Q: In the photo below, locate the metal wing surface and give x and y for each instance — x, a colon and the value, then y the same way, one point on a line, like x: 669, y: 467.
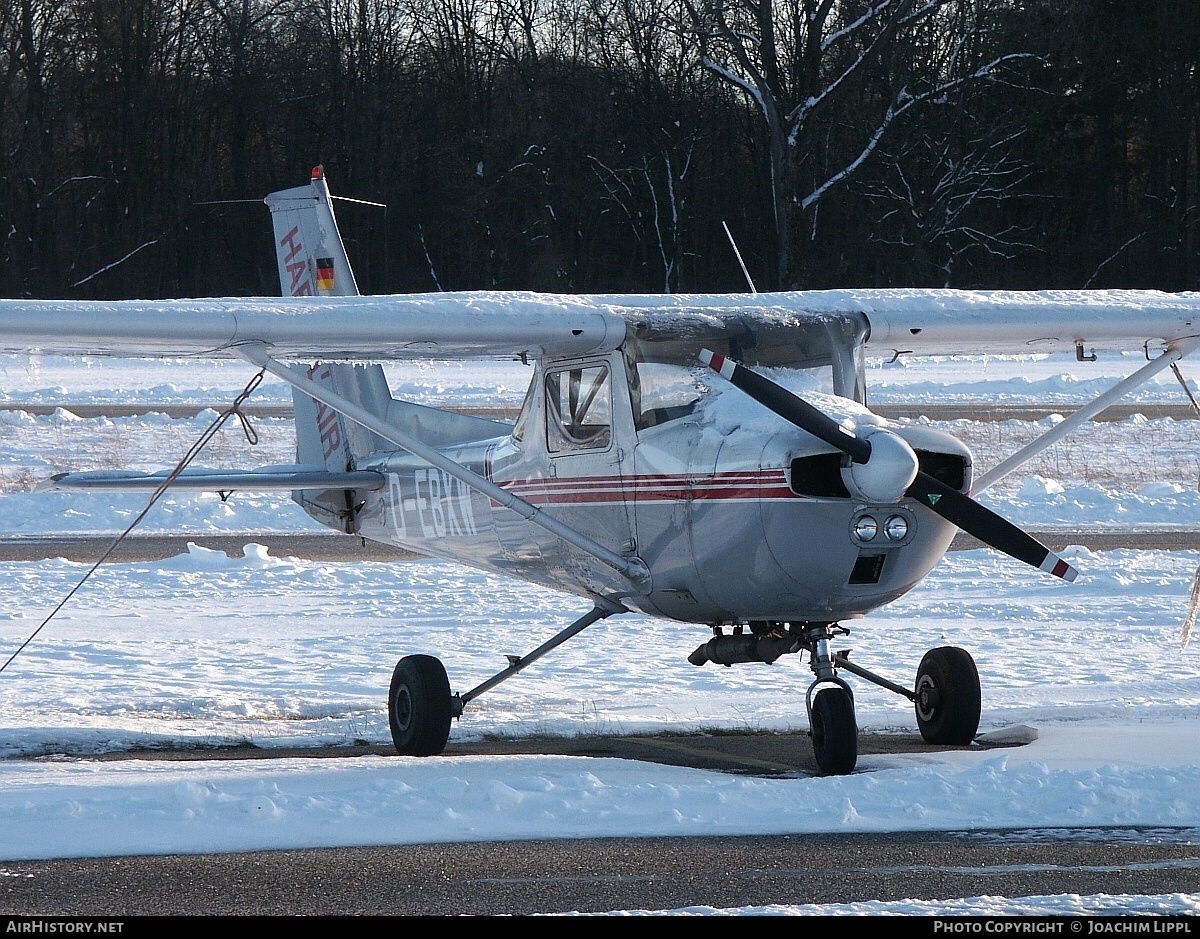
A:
x: 758, y: 329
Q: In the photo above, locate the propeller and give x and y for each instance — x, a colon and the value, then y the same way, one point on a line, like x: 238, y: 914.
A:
x: 883, y: 467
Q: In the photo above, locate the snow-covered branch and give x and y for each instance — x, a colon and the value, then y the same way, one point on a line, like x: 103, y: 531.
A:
x: 117, y: 263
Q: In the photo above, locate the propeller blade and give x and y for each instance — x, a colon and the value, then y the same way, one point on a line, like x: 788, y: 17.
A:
x: 990, y: 528
x: 956, y: 508
x: 788, y: 406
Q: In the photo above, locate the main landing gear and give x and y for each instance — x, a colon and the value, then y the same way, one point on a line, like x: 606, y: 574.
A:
x: 946, y: 693
x: 421, y: 706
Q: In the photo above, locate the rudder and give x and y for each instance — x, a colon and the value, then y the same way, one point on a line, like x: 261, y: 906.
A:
x: 327, y: 439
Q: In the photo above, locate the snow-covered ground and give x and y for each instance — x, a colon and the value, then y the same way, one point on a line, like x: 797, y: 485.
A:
x: 205, y: 649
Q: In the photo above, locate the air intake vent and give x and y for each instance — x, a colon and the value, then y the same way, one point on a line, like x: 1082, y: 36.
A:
x: 867, y: 569
x: 946, y: 468
x: 819, y: 476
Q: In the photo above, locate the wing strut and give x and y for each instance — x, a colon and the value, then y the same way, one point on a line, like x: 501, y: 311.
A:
x: 632, y: 569
x: 1174, y: 352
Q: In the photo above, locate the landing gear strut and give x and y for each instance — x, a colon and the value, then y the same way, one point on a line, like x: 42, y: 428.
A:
x: 421, y: 706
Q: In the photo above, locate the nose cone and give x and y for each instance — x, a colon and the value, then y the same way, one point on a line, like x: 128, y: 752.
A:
x: 889, y: 470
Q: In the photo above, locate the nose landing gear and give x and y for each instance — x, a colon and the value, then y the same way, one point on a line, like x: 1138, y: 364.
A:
x: 830, y: 704
x: 946, y: 696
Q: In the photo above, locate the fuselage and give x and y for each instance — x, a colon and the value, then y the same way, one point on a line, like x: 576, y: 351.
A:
x: 738, y: 515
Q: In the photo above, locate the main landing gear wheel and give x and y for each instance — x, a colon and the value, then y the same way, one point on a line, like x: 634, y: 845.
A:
x: 834, y: 731
x: 419, y: 706
x: 948, y: 698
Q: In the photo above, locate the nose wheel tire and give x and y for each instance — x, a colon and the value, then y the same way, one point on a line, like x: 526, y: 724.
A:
x: 948, y: 699
x: 834, y: 732
x: 419, y: 706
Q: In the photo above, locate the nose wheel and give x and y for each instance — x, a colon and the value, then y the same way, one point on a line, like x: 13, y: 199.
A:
x: 834, y: 731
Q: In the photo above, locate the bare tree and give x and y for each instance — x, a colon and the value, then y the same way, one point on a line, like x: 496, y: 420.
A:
x: 799, y: 61
x: 34, y: 55
x: 944, y: 199
x: 651, y: 66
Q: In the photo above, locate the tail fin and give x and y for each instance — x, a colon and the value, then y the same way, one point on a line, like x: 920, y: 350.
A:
x: 308, y: 245
x: 313, y: 263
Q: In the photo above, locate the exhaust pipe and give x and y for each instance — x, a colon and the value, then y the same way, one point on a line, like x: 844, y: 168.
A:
x: 731, y: 650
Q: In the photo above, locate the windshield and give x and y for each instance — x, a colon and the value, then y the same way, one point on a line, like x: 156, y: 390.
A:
x: 827, y: 344
x: 661, y: 392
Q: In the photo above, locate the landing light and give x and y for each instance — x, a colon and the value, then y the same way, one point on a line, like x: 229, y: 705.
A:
x: 896, y: 528
x: 865, y: 528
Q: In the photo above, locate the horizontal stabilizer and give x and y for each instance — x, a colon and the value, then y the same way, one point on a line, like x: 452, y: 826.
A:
x: 268, y: 479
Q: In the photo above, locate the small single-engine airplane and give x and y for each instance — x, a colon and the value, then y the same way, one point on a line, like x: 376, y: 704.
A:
x: 771, y: 508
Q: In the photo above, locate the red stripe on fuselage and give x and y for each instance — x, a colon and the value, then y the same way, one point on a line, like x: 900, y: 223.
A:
x: 652, y: 488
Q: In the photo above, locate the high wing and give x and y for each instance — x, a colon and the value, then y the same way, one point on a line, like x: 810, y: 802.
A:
x: 366, y: 328
x: 929, y: 322
x: 757, y: 329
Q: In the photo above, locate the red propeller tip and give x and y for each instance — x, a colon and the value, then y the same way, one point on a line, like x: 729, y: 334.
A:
x: 718, y: 363
x: 1059, y: 568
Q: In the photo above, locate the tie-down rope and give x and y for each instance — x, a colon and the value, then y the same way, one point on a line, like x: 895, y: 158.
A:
x: 193, y: 451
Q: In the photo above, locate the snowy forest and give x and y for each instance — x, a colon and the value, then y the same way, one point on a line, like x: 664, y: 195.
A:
x: 603, y: 145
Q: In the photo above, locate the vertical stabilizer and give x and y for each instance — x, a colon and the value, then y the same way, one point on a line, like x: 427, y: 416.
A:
x: 308, y: 245
x: 313, y: 263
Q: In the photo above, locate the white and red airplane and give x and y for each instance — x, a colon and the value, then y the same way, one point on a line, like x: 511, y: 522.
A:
x: 632, y: 477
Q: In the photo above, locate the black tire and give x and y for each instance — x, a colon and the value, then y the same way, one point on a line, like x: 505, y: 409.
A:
x: 419, y: 709
x: 948, y: 697
x: 834, y: 732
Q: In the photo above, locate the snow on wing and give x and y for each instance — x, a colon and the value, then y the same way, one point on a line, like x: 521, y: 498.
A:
x: 500, y: 324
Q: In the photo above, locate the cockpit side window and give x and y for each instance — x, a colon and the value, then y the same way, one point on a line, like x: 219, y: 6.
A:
x: 518, y: 432
x: 578, y: 408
